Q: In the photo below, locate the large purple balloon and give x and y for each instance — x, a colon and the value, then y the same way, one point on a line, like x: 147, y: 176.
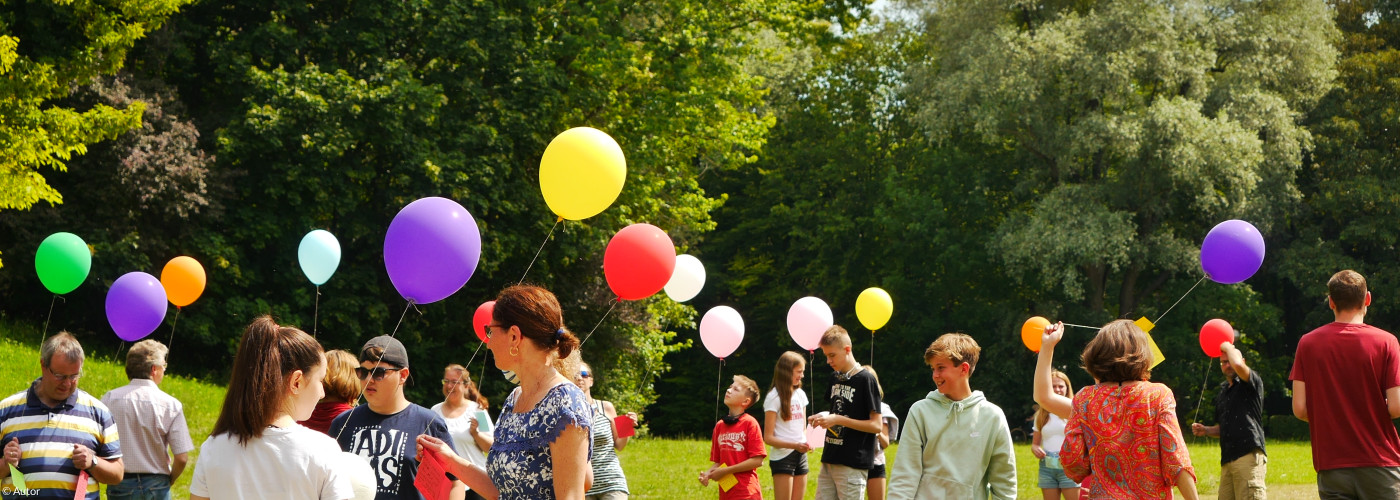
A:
x: 135, y: 305
x: 1232, y: 252
x: 431, y: 249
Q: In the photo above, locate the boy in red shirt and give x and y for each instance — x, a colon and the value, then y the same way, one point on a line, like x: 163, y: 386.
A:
x: 737, y: 444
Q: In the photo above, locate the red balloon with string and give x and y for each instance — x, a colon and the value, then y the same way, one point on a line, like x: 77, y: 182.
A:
x: 482, y: 317
x: 1215, y: 332
x: 639, y: 261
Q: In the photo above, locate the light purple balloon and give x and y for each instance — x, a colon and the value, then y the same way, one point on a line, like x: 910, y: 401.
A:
x: 431, y: 249
x: 135, y: 305
x: 1232, y: 252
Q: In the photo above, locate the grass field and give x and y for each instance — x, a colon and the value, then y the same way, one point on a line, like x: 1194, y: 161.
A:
x: 655, y: 468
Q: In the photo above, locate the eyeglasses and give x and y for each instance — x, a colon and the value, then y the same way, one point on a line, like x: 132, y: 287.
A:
x: 66, y: 378
x: 489, y: 327
x: 585, y: 374
x: 451, y: 382
x: 378, y: 372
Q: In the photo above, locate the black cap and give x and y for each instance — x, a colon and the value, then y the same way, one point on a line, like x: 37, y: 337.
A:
x: 394, y: 353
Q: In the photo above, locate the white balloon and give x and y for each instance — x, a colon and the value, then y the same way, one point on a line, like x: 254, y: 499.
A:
x: 687, y: 280
x: 721, y: 330
x: 807, y: 320
x: 362, y: 478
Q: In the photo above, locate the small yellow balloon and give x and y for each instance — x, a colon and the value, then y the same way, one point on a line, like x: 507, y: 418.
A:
x: 874, y: 307
x: 581, y: 173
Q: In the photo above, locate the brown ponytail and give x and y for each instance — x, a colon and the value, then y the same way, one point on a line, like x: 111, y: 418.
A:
x: 267, y: 356
x: 535, y: 311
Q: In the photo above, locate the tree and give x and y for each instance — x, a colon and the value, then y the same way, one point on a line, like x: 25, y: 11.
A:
x: 46, y: 49
x: 1139, y: 125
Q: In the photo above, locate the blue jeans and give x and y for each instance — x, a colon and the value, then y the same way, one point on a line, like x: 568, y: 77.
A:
x: 141, y: 487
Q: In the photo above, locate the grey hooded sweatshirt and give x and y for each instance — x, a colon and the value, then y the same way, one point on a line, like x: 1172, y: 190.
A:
x: 954, y: 449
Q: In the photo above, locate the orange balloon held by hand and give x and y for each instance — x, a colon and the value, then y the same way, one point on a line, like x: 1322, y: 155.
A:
x: 1032, y: 331
x: 183, y: 279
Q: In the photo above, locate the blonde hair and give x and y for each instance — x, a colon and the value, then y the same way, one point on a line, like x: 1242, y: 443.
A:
x: 835, y: 337
x: 1042, y: 416
x: 957, y: 347
x: 341, y: 383
x: 749, y: 387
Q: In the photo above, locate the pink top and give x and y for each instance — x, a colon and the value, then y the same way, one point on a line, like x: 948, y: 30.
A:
x: 1128, y: 438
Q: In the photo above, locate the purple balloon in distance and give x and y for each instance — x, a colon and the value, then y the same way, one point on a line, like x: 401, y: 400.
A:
x: 135, y: 305
x: 1232, y: 252
x: 431, y: 249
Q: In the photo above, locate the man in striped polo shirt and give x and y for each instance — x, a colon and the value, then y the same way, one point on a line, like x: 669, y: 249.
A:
x: 55, y: 434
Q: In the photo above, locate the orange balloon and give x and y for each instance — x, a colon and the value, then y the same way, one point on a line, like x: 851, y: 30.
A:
x: 1032, y: 331
x: 183, y: 279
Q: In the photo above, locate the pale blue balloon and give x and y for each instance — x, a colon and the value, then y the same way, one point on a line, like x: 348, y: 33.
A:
x: 319, y: 256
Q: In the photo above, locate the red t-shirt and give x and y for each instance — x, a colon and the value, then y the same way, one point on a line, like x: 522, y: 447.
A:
x: 1347, y: 368
x: 324, y: 413
x: 736, y: 443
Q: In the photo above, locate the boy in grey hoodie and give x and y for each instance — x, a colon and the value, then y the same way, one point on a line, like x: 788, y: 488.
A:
x: 955, y: 443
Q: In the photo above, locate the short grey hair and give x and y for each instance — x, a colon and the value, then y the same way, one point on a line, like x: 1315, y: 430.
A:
x: 143, y: 356
x: 62, y: 343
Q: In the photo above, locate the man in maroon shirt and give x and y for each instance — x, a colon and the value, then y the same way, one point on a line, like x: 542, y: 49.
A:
x: 1346, y: 385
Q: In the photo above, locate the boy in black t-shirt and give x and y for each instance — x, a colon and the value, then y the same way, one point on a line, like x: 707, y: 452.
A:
x: 852, y: 424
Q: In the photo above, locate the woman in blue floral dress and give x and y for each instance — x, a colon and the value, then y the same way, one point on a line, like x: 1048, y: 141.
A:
x: 543, y: 435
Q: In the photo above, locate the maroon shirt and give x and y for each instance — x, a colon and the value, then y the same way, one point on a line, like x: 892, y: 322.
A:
x: 1347, y: 368
x: 324, y: 413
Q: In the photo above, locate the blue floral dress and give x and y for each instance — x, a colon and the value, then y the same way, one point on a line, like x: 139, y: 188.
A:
x: 520, y: 464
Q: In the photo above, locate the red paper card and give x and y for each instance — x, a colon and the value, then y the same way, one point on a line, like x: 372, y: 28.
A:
x: 432, y: 479
x: 80, y: 492
x: 625, y: 426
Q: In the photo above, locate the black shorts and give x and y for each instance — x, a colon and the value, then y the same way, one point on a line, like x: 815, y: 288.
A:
x: 795, y: 464
x: 877, y: 471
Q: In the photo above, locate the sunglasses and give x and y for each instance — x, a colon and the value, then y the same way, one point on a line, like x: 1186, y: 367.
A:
x: 377, y: 373
x: 585, y: 374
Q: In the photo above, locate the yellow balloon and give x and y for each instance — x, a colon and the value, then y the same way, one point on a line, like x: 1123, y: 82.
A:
x: 581, y: 173
x: 874, y: 307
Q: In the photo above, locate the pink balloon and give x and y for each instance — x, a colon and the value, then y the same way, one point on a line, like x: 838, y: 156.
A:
x: 807, y: 320
x: 722, y: 329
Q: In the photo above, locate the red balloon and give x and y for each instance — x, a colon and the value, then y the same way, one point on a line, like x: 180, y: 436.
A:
x: 639, y: 261
x: 482, y: 317
x: 1213, y: 333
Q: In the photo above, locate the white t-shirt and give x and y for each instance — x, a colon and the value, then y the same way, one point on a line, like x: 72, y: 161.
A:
x: 887, y: 417
x: 1052, y: 434
x: 460, y: 428
x: 794, y: 429
x: 292, y: 463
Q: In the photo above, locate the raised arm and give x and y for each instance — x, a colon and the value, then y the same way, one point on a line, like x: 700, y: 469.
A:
x: 1236, y: 360
x: 1044, y: 395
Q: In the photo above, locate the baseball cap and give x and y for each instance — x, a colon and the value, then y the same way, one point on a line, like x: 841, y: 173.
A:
x: 394, y: 352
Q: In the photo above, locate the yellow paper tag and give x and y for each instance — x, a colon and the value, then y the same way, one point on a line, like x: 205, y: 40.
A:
x: 1146, y: 326
x: 726, y: 482
x: 17, y: 479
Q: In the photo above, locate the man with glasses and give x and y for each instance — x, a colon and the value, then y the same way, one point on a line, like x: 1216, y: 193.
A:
x: 149, y: 422
x: 384, y: 431
x: 56, y: 435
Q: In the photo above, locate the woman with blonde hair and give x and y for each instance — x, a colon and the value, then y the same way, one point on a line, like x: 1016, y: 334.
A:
x: 1046, y: 442
x: 342, y: 389
x: 1123, y: 429
x: 256, y: 443
x: 462, y: 410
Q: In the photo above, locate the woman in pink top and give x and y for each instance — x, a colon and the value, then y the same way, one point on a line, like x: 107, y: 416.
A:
x: 1123, y: 429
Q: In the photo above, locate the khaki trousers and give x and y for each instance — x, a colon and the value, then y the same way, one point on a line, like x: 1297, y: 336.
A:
x: 1243, y: 479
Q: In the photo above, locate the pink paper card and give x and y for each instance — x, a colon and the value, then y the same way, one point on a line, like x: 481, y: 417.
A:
x: 80, y: 491
x: 432, y: 479
x: 816, y: 437
x: 625, y: 426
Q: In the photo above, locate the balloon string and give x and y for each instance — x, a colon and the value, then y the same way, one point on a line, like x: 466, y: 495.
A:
x: 1200, y: 399
x: 1082, y: 326
x: 172, y: 327
x: 482, y: 379
x: 376, y: 365
x: 600, y: 322
x: 537, y: 252
x: 1178, y: 301
x: 720, y: 396
x: 45, y: 335
x: 473, y: 358
x: 811, y: 381
x: 119, y: 350
x: 316, y: 312
x: 872, y: 348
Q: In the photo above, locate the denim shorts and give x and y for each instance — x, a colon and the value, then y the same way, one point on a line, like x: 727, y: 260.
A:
x: 1054, y: 477
x: 795, y: 464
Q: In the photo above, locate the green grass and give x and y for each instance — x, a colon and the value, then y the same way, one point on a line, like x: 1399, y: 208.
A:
x: 101, y: 374
x: 656, y: 468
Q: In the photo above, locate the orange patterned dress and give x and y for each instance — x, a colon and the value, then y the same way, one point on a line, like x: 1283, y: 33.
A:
x: 1128, y: 438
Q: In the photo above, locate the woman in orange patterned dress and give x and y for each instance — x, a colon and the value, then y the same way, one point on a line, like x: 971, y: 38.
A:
x: 1123, y: 429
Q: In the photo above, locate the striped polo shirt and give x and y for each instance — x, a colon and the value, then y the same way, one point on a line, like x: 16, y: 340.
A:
x: 46, y: 438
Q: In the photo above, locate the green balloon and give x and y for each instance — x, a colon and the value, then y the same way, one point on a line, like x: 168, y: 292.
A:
x: 63, y: 262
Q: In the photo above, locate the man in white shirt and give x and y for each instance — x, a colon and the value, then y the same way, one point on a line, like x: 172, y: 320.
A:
x: 149, y: 422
